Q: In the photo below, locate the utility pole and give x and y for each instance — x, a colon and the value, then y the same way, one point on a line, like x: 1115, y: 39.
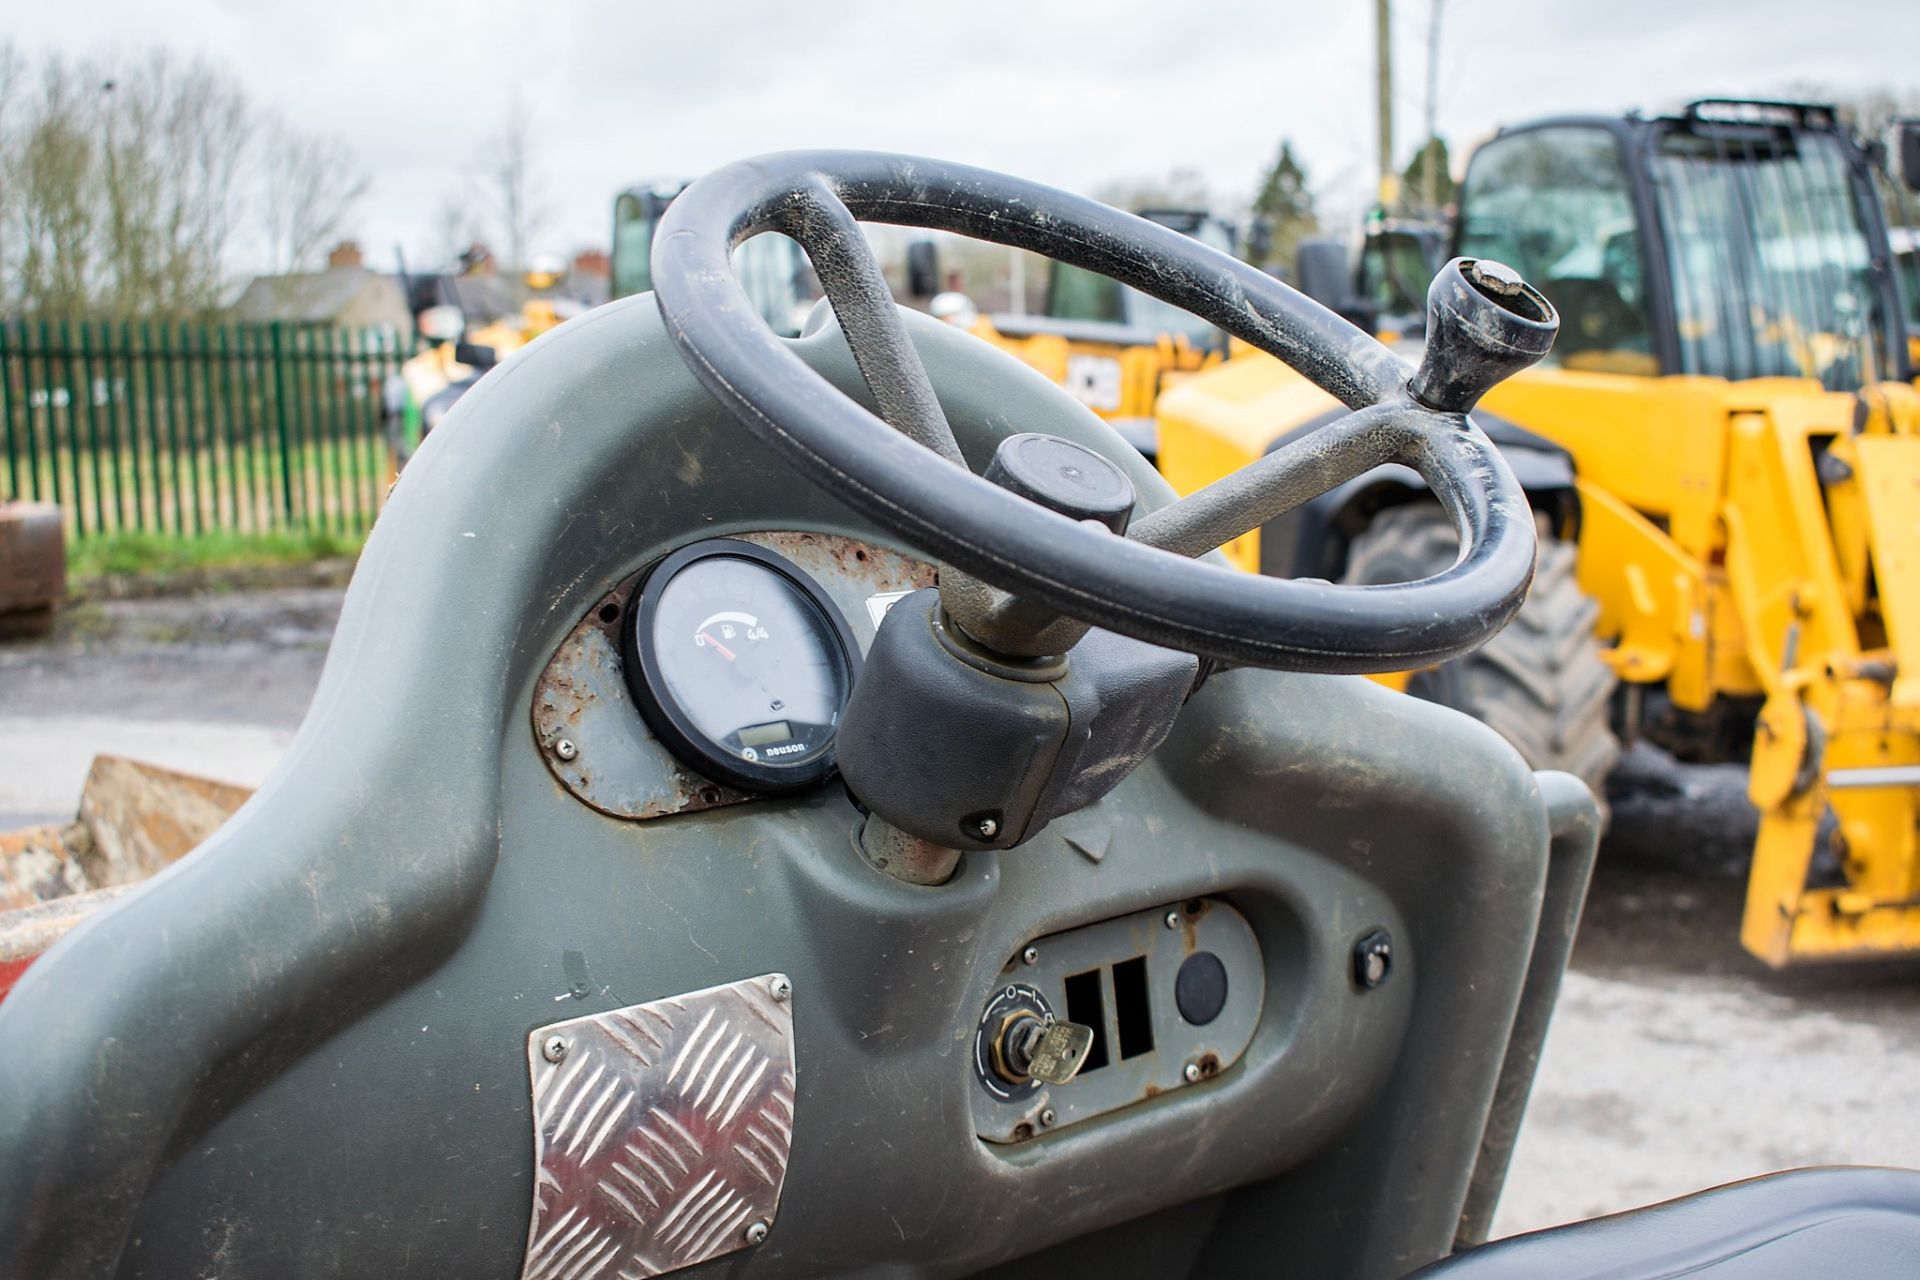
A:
x: 1429, y: 176
x: 1383, y: 35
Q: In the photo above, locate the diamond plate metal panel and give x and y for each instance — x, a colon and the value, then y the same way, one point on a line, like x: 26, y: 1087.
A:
x: 660, y: 1131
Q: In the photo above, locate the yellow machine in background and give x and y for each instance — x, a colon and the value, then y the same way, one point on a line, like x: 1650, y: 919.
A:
x: 1114, y: 348
x: 471, y: 319
x: 1731, y: 384
x: 467, y: 321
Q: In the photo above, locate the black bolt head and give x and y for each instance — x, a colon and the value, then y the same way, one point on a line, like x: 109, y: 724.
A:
x: 1373, y: 959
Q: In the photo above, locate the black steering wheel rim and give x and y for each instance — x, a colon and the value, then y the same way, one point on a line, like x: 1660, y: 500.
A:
x: 1132, y: 585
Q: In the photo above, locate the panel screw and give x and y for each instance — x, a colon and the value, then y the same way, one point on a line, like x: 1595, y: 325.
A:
x: 565, y: 749
x: 553, y: 1048
x: 1047, y: 1118
x: 1191, y: 1073
x: 1173, y: 920
x: 779, y: 988
x: 1030, y: 956
x: 1372, y: 959
x: 757, y: 1233
x: 987, y: 828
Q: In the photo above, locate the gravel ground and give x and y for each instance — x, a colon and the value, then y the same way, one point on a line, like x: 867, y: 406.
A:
x: 212, y: 684
x: 1674, y: 1062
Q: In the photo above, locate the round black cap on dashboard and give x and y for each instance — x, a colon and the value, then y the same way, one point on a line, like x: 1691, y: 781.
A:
x: 1062, y: 476
x: 1200, y: 988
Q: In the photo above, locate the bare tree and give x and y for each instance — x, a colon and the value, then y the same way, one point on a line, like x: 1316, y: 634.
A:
x: 12, y: 72
x: 311, y: 186
x: 507, y: 165
x: 177, y: 142
x: 51, y: 169
x: 124, y: 188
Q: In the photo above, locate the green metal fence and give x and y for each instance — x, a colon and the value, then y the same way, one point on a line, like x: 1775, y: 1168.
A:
x: 187, y: 429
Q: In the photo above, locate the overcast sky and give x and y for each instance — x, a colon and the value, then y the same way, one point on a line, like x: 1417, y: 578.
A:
x: 1069, y: 93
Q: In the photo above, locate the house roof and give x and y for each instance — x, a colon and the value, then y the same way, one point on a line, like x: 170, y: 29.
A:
x: 307, y: 297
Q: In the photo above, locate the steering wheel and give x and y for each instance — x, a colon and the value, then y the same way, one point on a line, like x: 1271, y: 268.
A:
x: 1484, y: 323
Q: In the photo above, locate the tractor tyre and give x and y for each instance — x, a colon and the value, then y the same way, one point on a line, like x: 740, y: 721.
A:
x: 1542, y: 682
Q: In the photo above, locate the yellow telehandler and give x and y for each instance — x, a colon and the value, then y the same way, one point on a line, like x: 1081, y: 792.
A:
x: 1731, y: 388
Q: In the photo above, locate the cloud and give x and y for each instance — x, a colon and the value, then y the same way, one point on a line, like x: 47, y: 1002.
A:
x: 1072, y: 94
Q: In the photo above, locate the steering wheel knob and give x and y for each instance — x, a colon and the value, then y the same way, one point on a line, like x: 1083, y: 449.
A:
x: 1484, y: 323
x: 1064, y: 477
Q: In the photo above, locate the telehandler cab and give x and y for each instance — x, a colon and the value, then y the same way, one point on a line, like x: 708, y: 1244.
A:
x: 1129, y: 939
x: 772, y: 270
x: 1384, y: 291
x: 1731, y: 387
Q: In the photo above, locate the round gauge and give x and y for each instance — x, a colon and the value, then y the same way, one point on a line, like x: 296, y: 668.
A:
x: 740, y: 664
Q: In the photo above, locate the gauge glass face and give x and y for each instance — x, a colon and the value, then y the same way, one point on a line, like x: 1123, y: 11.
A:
x: 750, y: 661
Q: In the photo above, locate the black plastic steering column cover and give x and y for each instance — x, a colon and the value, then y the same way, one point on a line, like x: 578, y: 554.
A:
x: 1129, y: 585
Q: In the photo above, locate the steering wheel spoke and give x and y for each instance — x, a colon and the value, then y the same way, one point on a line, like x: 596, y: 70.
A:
x: 1324, y: 459
x: 1295, y: 473
x: 863, y: 304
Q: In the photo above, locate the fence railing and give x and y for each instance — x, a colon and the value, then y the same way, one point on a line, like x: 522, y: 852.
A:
x: 194, y: 428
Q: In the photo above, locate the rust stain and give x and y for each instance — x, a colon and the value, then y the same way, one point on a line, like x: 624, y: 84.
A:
x: 575, y: 696
x: 1194, y: 912
x: 877, y: 568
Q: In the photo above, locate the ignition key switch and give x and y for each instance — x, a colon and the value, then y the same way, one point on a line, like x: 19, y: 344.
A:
x: 1032, y: 1048
x: 1020, y: 1046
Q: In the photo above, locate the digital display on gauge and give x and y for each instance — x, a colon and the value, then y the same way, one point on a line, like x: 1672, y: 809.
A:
x: 741, y: 665
x: 765, y: 735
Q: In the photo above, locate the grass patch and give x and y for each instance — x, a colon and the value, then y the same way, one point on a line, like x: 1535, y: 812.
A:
x: 160, y: 555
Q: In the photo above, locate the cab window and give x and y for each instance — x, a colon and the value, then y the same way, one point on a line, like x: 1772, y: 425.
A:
x: 1769, y: 255
x: 1554, y: 205
x: 1074, y: 293
x: 632, y: 247
x: 1395, y: 273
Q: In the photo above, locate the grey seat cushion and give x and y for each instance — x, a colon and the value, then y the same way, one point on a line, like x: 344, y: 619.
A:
x: 1858, y: 1223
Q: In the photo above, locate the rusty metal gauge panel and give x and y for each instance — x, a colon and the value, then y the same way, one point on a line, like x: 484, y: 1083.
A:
x: 661, y: 1131
x: 594, y: 739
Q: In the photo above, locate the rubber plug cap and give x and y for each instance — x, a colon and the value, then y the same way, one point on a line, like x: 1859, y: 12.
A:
x: 1062, y: 476
x: 1200, y: 989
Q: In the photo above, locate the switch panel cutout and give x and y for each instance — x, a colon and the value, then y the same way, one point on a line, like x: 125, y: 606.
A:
x: 1085, y: 1005
x: 1132, y: 1016
x: 1152, y: 1039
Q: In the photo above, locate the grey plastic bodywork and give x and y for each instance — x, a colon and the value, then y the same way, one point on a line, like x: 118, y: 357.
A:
x: 302, y: 1050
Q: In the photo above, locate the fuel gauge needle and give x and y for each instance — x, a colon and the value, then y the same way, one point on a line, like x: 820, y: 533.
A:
x: 724, y: 651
